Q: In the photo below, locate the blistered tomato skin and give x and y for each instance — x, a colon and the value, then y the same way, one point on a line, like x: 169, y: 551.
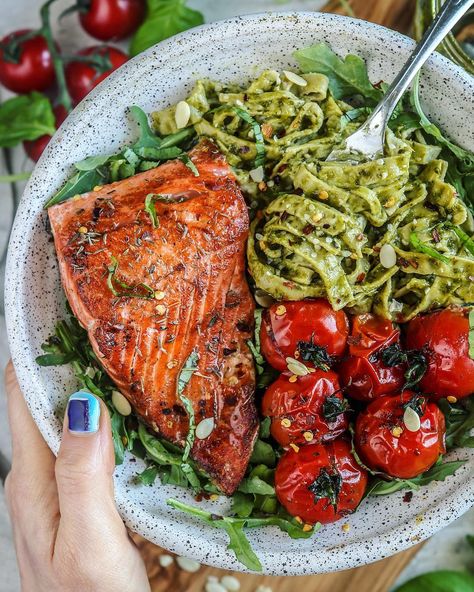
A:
x: 444, y: 335
x: 362, y: 373
x: 385, y: 444
x: 285, y: 324
x: 321, y: 482
x: 311, y: 409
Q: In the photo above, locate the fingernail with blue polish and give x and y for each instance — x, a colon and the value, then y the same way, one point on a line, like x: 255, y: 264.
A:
x: 83, y: 413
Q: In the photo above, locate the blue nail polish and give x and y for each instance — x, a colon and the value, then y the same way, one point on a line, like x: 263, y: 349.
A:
x: 83, y: 413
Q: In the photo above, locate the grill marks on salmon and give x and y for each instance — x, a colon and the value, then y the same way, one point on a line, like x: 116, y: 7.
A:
x: 187, y: 277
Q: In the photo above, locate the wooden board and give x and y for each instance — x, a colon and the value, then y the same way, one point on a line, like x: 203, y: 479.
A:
x: 378, y: 577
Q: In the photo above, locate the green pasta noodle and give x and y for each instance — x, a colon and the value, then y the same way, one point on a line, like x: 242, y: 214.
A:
x: 318, y: 227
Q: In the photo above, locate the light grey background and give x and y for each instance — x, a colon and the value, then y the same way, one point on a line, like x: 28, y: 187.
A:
x: 445, y: 550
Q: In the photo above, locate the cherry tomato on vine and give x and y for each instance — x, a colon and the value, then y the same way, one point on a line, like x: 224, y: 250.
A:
x: 25, y: 66
x: 363, y: 373
x: 320, y: 482
x: 109, y: 20
x: 82, y: 77
x: 35, y: 148
x: 400, y: 443
x: 309, y: 330
x: 311, y: 409
x: 444, y: 335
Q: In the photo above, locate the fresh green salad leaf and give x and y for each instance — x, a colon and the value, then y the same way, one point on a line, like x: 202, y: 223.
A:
x: 26, y: 117
x: 439, y: 581
x: 165, y: 18
x: 347, y: 77
x: 438, y: 472
x: 471, y: 333
x: 459, y: 423
x: 235, y: 529
x: 147, y: 152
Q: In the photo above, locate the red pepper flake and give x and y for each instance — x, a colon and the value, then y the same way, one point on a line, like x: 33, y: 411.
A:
x: 378, y: 84
x: 408, y: 497
x: 403, y: 262
x: 435, y: 234
x: 414, y: 263
x: 308, y: 229
x: 360, y: 278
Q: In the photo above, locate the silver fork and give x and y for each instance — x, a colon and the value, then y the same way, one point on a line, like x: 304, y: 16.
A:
x: 367, y: 143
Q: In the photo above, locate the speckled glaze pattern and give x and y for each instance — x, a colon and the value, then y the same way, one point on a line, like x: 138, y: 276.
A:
x: 232, y: 50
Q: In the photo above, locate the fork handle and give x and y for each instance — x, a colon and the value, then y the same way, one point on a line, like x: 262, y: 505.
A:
x: 445, y: 20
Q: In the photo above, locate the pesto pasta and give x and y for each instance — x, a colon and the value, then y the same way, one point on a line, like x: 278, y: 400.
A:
x: 319, y: 227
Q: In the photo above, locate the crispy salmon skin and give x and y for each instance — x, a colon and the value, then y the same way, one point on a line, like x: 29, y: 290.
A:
x: 153, y: 285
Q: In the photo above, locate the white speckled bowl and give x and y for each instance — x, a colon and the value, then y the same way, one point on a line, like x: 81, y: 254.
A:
x: 232, y: 50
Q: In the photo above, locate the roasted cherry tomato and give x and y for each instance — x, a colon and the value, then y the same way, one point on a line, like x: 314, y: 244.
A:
x: 400, y: 435
x: 320, y: 482
x: 109, y: 20
x: 82, y: 77
x: 444, y: 336
x: 309, y: 330
x: 35, y: 148
x: 363, y: 373
x: 311, y: 409
x: 25, y: 66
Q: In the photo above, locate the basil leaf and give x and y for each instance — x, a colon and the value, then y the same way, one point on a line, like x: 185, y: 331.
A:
x: 346, y: 77
x: 81, y: 182
x: 257, y: 134
x: 165, y: 18
x: 26, y: 117
x: 421, y: 247
x: 439, y: 581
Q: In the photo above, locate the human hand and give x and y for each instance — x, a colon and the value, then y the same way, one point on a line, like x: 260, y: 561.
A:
x: 67, y: 531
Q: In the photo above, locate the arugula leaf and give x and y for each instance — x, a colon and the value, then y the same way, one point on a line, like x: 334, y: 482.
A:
x: 347, y: 77
x: 81, y: 182
x: 235, y: 529
x: 147, y: 139
x: 459, y: 423
x: 263, y: 454
x: 256, y: 485
x: 26, y: 117
x: 242, y: 504
x: 91, y: 163
x: 430, y: 128
x: 117, y: 424
x: 148, y: 476
x: 151, y: 210
x: 465, y: 239
x: 439, y: 581
x: 165, y: 18
x: 438, y: 472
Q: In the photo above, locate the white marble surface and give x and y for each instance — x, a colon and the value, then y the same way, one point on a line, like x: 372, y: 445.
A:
x: 445, y: 550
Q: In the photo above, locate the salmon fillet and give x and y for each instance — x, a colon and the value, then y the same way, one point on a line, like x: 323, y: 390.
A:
x: 180, y: 289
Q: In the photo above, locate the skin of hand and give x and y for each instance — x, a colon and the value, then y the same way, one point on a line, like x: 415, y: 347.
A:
x: 68, y: 533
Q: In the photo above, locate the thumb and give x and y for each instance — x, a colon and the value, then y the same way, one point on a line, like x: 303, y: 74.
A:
x: 84, y: 469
